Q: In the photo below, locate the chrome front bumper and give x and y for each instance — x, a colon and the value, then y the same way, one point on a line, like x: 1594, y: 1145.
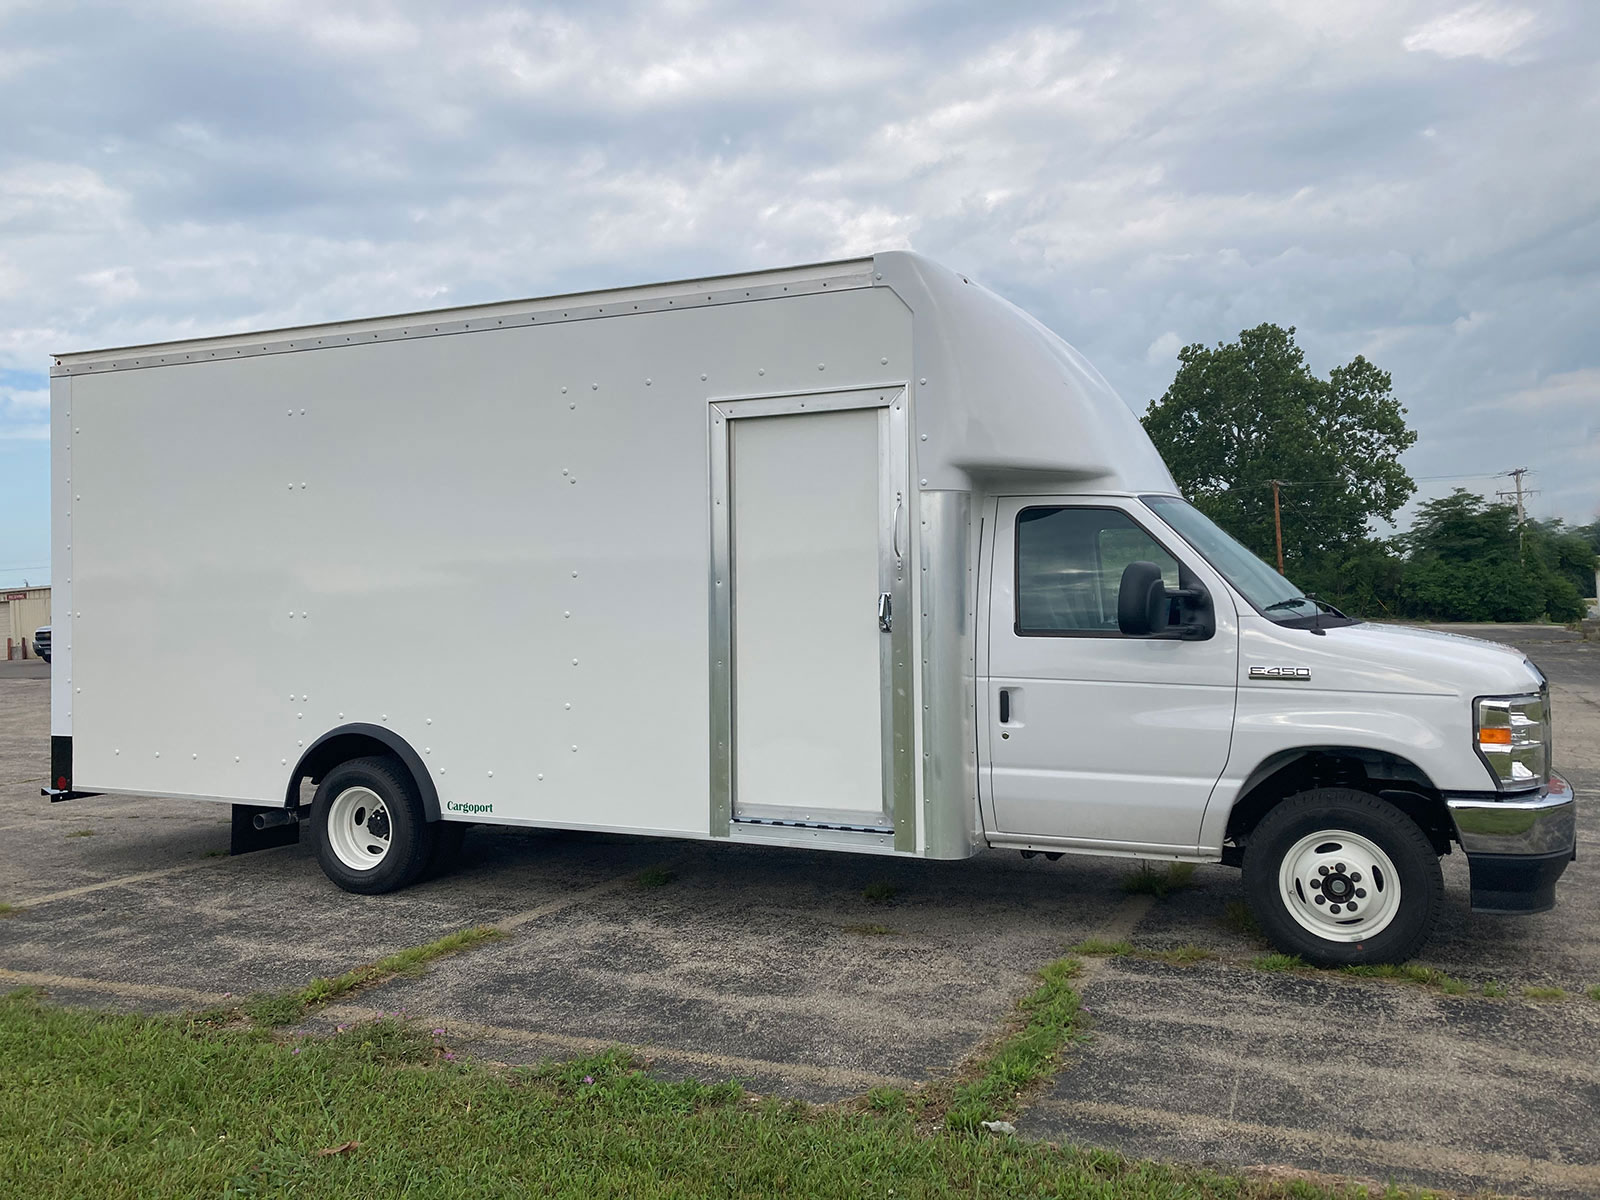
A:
x: 1517, y: 848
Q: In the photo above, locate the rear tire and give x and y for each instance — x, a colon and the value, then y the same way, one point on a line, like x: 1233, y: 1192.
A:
x: 1340, y: 877
x: 369, y: 827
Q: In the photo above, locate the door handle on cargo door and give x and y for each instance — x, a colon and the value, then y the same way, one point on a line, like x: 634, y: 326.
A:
x: 1005, y: 706
x: 885, y: 612
x: 894, y: 529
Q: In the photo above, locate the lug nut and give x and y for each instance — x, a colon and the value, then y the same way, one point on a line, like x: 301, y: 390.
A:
x: 1320, y: 899
x: 1351, y: 906
x: 1339, y: 867
x: 1361, y: 893
x: 1334, y: 909
x: 1322, y: 870
x: 1355, y: 876
x: 1316, y: 883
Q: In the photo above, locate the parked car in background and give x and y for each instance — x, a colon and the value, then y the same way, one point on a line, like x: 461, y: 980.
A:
x: 41, y: 642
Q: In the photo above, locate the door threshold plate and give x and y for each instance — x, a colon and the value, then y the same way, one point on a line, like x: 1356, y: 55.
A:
x: 833, y: 825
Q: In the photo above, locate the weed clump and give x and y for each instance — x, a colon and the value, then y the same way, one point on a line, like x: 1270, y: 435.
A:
x: 1147, y: 881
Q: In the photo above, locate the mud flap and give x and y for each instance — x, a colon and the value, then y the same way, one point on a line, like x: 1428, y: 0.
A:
x: 1516, y: 883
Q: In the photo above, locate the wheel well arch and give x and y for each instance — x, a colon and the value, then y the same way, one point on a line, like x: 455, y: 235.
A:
x: 1389, y: 776
x: 357, y: 740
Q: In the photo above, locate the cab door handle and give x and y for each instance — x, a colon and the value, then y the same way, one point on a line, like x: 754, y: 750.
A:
x: 1005, y: 706
x: 885, y: 612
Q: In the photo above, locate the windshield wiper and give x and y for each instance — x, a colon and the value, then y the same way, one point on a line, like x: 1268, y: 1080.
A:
x: 1321, y: 605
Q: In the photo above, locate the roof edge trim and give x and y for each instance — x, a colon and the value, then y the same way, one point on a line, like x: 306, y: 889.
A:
x: 841, y: 275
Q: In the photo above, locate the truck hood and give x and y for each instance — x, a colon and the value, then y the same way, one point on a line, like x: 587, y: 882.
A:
x: 1373, y: 657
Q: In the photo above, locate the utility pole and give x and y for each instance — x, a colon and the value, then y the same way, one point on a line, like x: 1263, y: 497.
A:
x: 1518, y: 495
x: 1277, y: 524
x: 1516, y: 476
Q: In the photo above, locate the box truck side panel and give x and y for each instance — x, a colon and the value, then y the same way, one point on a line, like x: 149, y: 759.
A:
x: 495, y: 544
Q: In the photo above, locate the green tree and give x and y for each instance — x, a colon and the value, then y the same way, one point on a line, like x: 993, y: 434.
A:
x: 1244, y: 413
x: 1366, y: 579
x: 1468, y: 561
x: 1568, y: 554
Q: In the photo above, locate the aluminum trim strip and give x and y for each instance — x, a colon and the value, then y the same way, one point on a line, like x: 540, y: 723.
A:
x: 896, y: 504
x: 488, y: 318
x: 895, y: 670
x: 949, y: 742
x: 720, y: 593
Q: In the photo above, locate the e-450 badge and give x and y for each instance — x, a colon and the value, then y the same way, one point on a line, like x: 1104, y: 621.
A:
x: 1297, y: 674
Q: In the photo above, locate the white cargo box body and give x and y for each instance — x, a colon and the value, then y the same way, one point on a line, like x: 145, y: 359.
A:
x: 619, y: 561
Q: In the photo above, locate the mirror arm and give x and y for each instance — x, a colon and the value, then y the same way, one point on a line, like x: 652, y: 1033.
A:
x: 1193, y: 600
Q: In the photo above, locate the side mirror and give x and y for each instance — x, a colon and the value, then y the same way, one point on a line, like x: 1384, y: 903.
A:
x: 1142, y: 600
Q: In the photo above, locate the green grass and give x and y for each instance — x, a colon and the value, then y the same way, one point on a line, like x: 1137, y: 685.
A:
x: 1049, y: 1019
x: 1415, y: 973
x: 880, y: 893
x: 1429, y: 977
x: 1100, y: 948
x: 1594, y: 993
x: 268, y: 1009
x: 1183, y: 955
x: 121, y: 1106
x: 8, y: 910
x: 1180, y: 956
x: 655, y: 877
x: 1148, y: 881
x: 81, y: 833
x: 888, y: 1099
x: 1539, y: 992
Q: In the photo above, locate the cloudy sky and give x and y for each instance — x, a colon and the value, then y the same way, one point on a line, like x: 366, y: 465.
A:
x: 1416, y: 182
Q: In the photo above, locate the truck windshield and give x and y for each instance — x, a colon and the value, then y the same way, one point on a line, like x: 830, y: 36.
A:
x: 1258, y: 583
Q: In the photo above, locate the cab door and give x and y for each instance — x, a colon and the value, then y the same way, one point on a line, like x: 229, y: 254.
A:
x: 1095, y: 740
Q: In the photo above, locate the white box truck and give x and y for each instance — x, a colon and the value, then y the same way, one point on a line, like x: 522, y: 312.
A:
x: 855, y: 556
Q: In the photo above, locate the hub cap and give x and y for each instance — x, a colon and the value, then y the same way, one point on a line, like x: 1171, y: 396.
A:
x: 359, y: 829
x: 1339, y: 885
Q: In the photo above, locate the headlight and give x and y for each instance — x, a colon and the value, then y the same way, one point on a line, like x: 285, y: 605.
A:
x: 1513, y: 735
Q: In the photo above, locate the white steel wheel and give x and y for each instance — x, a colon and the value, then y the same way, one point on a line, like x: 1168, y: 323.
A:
x: 360, y: 828
x: 1339, y: 885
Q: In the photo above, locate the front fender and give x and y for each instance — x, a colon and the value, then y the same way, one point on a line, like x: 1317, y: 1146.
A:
x: 1433, y: 732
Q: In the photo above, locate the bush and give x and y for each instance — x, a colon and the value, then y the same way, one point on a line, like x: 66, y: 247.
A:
x: 1487, y: 590
x: 1562, y: 601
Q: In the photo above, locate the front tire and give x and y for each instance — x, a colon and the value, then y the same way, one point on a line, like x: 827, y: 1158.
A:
x: 1340, y: 877
x: 371, y: 833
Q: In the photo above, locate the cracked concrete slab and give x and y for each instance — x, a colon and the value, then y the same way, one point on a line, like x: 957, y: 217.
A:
x: 1227, y: 1064
x: 776, y: 955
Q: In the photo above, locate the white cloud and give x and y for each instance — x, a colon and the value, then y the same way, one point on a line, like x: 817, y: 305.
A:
x: 1488, y: 31
x: 1164, y: 349
x: 1576, y: 390
x: 24, y: 414
x: 1139, y: 179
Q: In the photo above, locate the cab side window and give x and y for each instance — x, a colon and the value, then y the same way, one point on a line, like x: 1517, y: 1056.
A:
x: 1069, y: 567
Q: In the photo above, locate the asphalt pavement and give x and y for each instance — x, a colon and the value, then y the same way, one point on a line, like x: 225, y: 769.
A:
x: 775, y: 966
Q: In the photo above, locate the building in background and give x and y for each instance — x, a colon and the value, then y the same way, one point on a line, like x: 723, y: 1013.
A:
x: 22, y: 611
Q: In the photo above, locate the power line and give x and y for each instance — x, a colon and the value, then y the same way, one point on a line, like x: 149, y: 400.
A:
x: 1345, y: 479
